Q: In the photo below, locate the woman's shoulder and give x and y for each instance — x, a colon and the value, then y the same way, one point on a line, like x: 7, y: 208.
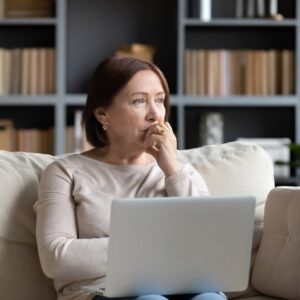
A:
x: 68, y: 162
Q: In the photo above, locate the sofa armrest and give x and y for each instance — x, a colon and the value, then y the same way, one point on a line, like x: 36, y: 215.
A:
x: 276, y: 270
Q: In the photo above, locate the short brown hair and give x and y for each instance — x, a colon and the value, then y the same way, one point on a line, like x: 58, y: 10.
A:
x: 111, y: 75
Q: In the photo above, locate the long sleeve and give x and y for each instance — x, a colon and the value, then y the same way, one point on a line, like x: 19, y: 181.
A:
x: 73, y: 214
x: 186, y: 182
x: 63, y: 255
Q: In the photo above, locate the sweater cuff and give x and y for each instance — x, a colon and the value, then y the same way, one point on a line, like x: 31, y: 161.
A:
x: 175, y: 183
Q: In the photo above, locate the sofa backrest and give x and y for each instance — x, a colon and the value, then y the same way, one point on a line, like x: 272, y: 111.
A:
x: 21, y: 276
x: 228, y: 169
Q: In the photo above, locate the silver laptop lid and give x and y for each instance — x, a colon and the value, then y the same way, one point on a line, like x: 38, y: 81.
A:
x: 179, y: 245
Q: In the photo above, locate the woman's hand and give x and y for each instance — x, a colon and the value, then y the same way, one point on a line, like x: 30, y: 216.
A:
x: 161, y: 143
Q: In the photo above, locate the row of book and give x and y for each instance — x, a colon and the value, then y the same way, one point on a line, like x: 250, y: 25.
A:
x: 27, y: 71
x: 204, y: 9
x: 29, y: 140
x: 239, y: 72
x: 26, y: 8
x: 42, y: 140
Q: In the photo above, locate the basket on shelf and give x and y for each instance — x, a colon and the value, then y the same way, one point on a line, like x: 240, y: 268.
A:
x: 141, y: 51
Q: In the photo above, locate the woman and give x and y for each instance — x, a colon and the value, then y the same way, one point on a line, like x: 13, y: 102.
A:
x: 134, y: 155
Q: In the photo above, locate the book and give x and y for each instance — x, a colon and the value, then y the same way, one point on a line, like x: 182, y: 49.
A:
x: 239, y: 8
x: 249, y: 71
x: 7, y: 71
x: 41, y: 71
x: 272, y: 72
x: 261, y: 8
x: 205, y: 10
x: 25, y: 71
x: 250, y: 12
x: 51, y: 71
x: 201, y: 72
x: 288, y: 72
x: 15, y: 79
x: 2, y: 9
x: 225, y: 74
x: 273, y: 7
x: 211, y: 73
x: 33, y: 71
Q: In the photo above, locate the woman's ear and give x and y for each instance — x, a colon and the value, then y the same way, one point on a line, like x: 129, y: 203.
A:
x: 101, y: 115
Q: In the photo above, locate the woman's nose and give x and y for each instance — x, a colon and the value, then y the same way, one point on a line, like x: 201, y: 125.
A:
x: 152, y: 114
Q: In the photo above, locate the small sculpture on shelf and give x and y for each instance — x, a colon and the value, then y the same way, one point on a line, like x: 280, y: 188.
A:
x: 211, y: 129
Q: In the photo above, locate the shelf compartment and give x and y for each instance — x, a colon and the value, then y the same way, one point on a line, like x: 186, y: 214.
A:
x: 32, y: 128
x: 249, y: 122
x: 126, y: 24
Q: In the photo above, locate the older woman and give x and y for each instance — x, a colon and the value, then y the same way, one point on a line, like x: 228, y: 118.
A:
x: 134, y: 155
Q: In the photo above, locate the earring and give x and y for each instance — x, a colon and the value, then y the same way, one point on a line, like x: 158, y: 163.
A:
x: 104, y: 127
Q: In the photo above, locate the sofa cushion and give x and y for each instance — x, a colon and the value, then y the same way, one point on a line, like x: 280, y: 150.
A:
x: 236, y: 168
x: 21, y: 276
x: 277, y: 266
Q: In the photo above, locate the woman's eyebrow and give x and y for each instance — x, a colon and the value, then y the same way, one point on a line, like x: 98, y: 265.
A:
x: 144, y: 93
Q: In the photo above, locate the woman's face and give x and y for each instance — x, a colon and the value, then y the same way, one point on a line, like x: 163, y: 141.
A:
x: 134, y: 109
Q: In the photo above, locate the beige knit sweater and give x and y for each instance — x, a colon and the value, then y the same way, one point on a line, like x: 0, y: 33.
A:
x: 73, y: 212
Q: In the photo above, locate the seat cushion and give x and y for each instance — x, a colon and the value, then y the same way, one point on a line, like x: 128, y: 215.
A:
x: 21, y: 276
x: 276, y: 270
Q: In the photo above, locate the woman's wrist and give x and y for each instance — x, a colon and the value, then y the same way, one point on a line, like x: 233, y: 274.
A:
x: 173, y: 169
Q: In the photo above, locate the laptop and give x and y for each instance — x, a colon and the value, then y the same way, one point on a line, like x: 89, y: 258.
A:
x: 178, y: 245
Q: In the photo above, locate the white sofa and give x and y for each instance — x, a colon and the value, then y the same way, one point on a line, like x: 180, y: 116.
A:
x: 229, y: 169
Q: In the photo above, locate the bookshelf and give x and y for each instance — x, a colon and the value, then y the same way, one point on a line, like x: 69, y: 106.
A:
x: 84, y: 32
x: 244, y: 115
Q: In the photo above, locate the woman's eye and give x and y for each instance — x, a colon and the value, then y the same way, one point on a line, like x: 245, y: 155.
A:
x: 138, y: 102
x: 160, y: 100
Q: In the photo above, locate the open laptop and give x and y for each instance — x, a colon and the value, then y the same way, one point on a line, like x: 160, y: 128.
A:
x: 178, y: 245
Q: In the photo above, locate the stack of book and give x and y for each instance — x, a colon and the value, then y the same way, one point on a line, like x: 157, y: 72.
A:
x: 240, y: 72
x: 29, y: 140
x: 27, y: 71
